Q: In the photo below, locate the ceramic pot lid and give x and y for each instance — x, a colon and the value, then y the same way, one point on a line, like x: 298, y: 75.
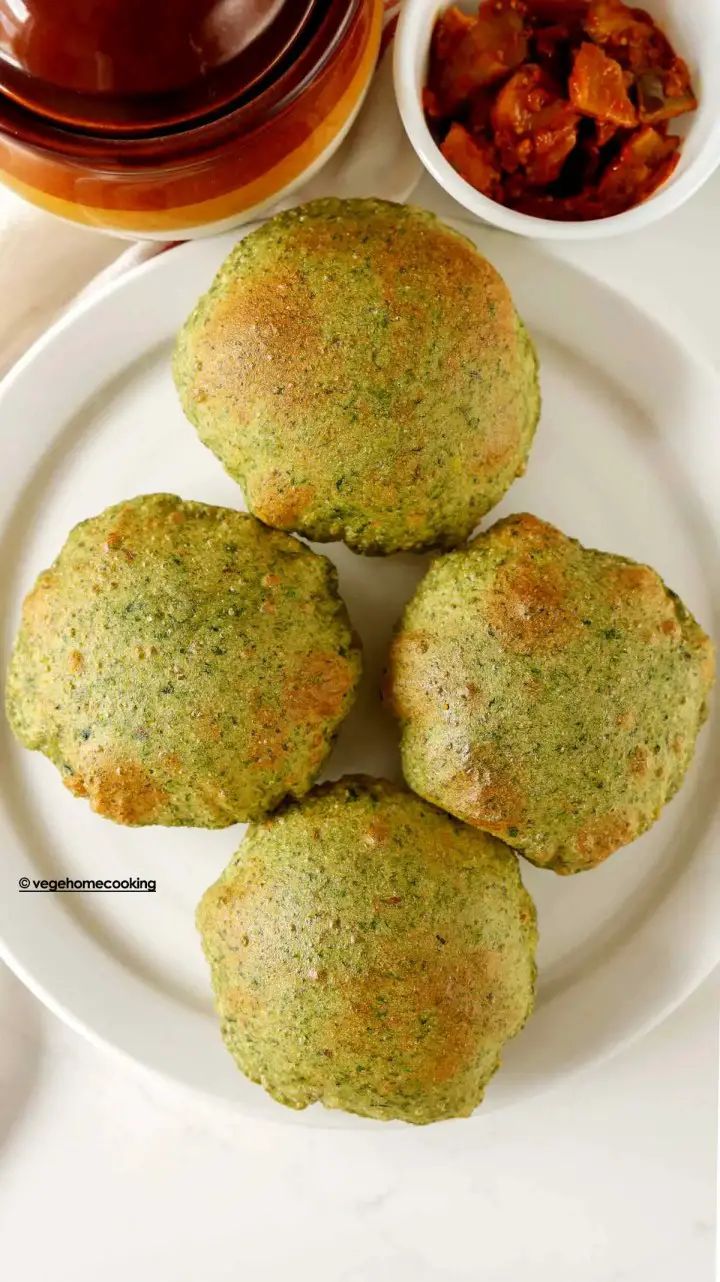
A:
x: 127, y: 66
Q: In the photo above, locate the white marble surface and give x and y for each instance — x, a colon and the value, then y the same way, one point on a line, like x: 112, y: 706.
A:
x: 107, y: 1174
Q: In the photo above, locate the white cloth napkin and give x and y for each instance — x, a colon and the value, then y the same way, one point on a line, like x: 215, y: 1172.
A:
x: 46, y: 263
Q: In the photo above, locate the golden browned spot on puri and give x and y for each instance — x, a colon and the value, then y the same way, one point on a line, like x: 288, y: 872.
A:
x: 278, y: 503
x: 638, y: 595
x: 76, y: 785
x: 627, y: 581
x: 38, y: 609
x: 381, y: 902
x: 528, y: 531
x: 76, y: 662
x: 403, y: 684
x: 214, y: 798
x: 438, y: 254
x: 626, y: 720
x: 263, y: 331
x: 477, y: 986
x: 487, y: 798
x: 496, y: 445
x: 400, y: 282
x: 528, y: 606
x: 114, y: 543
x: 375, y: 834
x: 640, y: 759
x: 131, y: 524
x: 318, y: 690
x: 454, y: 1044
x: 240, y: 1003
x: 270, y: 741
x: 600, y: 836
x: 220, y: 910
x: 436, y: 992
x: 119, y: 790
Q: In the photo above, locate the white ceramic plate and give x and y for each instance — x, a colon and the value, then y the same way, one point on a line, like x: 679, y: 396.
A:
x: 626, y: 459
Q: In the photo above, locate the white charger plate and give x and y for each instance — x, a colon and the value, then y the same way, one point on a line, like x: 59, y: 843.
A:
x: 626, y: 459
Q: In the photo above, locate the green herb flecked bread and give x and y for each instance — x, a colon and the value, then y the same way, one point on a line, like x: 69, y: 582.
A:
x: 182, y: 664
x: 370, y: 952
x: 548, y: 693
x: 360, y: 369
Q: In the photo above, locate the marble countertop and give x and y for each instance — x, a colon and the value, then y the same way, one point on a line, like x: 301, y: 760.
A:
x: 105, y: 1173
x: 117, y: 1177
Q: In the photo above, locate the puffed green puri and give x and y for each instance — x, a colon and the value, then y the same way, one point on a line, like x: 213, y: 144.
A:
x: 548, y: 693
x: 360, y: 369
x: 370, y: 952
x: 181, y: 664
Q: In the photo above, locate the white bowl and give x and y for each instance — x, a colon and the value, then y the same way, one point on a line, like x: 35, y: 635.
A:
x: 693, y: 26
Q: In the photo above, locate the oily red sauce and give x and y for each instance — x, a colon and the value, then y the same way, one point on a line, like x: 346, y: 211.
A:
x: 557, y: 108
